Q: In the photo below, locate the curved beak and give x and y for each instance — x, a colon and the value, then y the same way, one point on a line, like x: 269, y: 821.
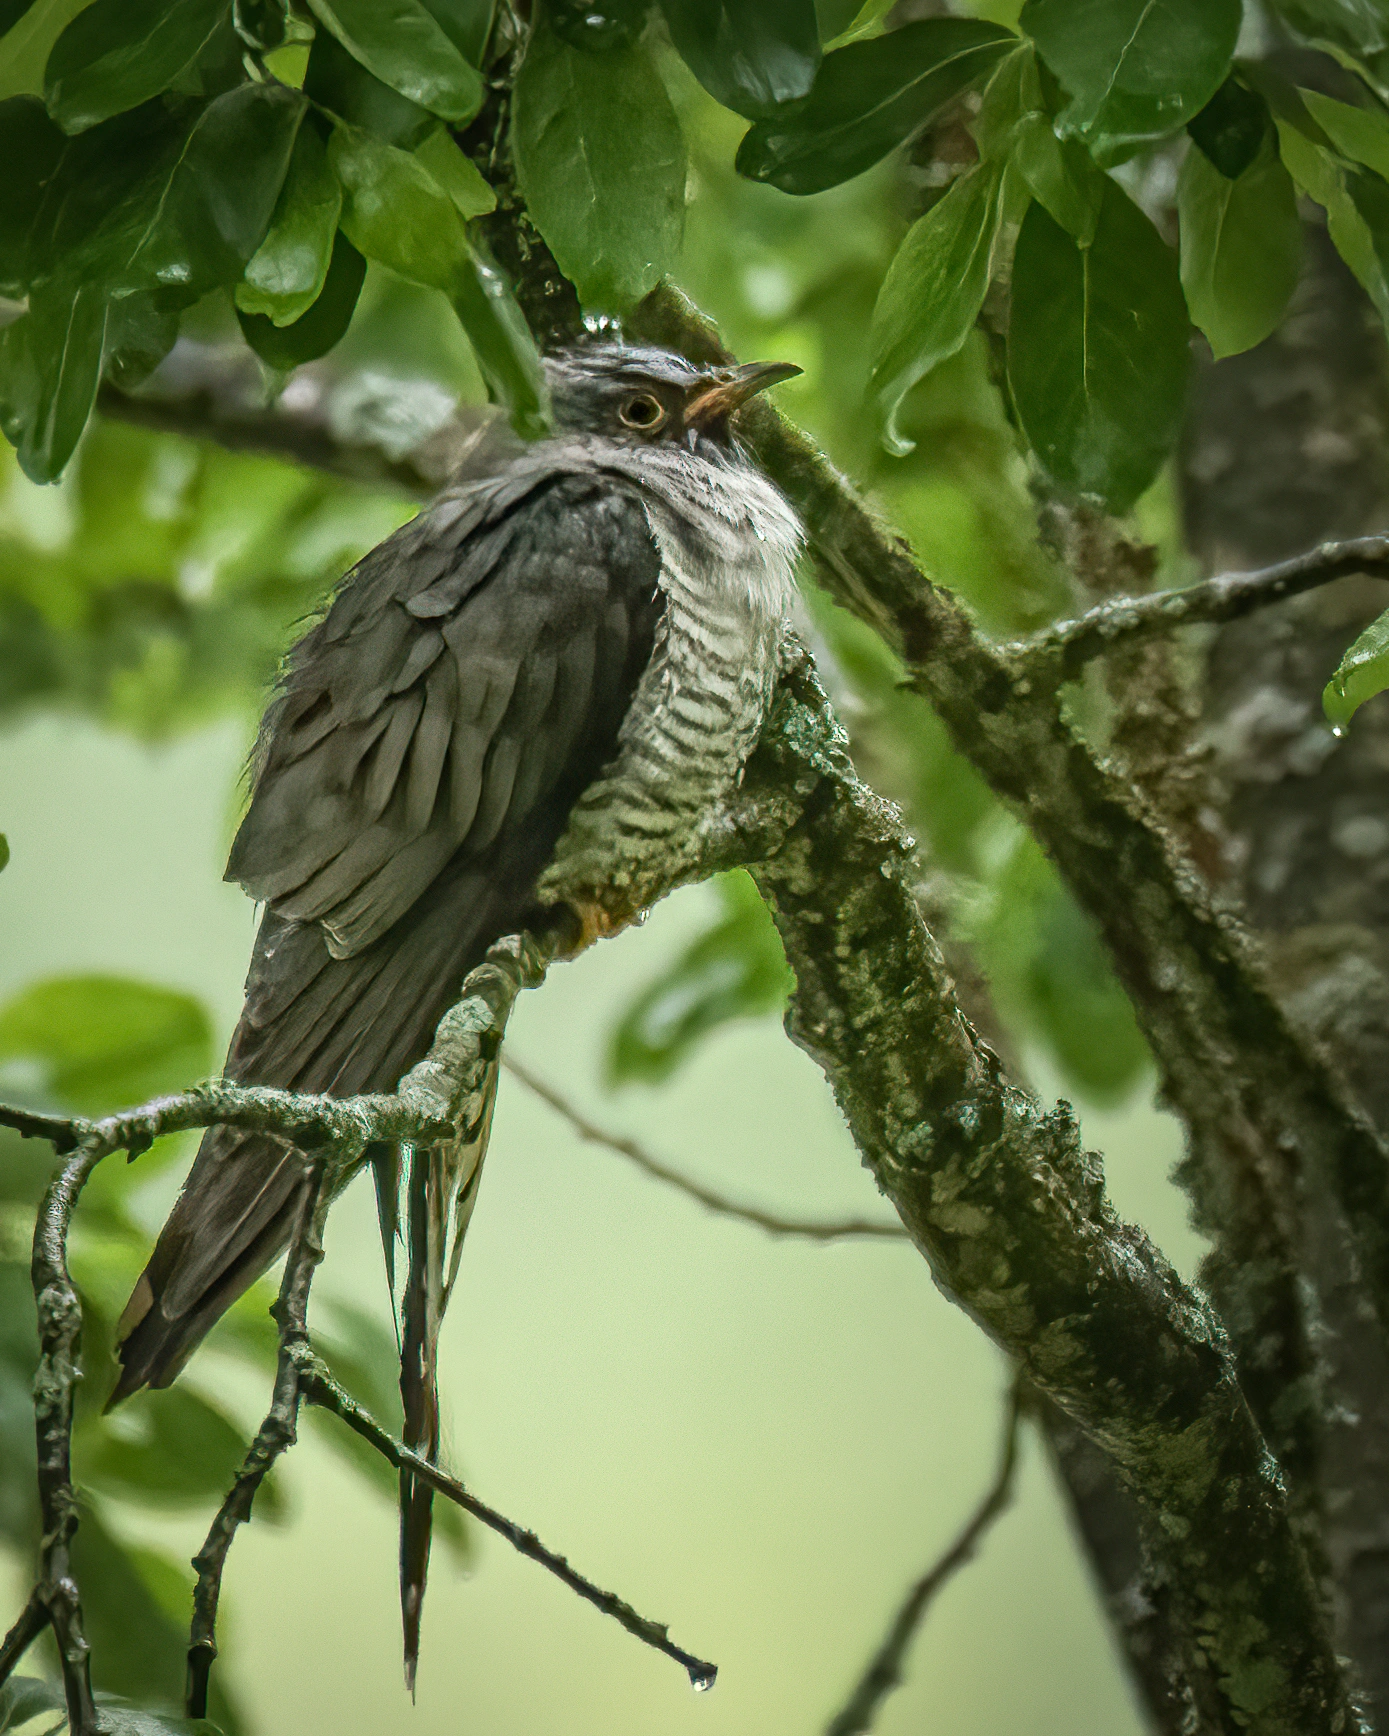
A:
x: 737, y: 386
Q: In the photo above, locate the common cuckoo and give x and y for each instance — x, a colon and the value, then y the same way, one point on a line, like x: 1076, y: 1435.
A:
x: 530, y: 696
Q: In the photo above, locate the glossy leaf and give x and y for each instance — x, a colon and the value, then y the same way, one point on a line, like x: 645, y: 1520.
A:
x: 395, y: 211
x: 401, y: 43
x: 869, y: 98
x: 1361, y: 134
x: 324, y: 324
x: 11, y: 11
x: 466, y: 23
x: 933, y: 291
x: 457, y: 174
x: 502, y: 343
x: 1098, y: 352
x: 31, y: 147
x: 345, y: 88
x: 1134, y: 69
x: 1014, y: 125
x: 735, y: 970
x: 753, y: 56
x: 597, y: 26
x: 219, y: 195
x: 117, y: 54
x: 1361, y: 674
x: 867, y: 21
x: 106, y: 1043
x: 1233, y: 128
x: 1356, y: 201
x: 1241, y: 249
x: 50, y: 367
x: 285, y: 274
x: 600, y: 159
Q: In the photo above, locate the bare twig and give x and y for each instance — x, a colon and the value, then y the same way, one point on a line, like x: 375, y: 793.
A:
x: 275, y: 1435
x: 884, y: 1673
x: 1062, y: 651
x: 719, y: 1203
x: 319, y: 1388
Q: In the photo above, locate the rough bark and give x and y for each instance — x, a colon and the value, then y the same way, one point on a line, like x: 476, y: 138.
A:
x: 1290, y: 445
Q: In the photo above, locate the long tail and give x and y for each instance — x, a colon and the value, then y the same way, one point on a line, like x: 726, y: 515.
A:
x: 442, y: 1188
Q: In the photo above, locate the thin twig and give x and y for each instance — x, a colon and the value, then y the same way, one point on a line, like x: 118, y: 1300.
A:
x: 1062, y: 651
x: 275, y: 1435
x: 884, y: 1673
x: 318, y: 1387
x: 718, y: 1203
x: 55, y: 1381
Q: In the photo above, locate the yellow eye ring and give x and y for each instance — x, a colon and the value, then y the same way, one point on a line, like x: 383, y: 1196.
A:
x: 643, y: 412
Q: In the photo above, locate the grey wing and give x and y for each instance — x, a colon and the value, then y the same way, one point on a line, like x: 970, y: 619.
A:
x: 431, y: 736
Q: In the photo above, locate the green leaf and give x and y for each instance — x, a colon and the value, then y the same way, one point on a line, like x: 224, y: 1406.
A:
x: 345, y: 88
x: 933, y: 291
x: 600, y: 160
x: 1361, y: 674
x: 1232, y: 128
x: 1013, y: 122
x: 315, y: 332
x: 4, y: 852
x: 25, y: 1697
x: 401, y: 43
x: 753, y: 56
x: 466, y: 23
x: 217, y: 203
x: 1098, y: 350
x: 1361, y: 134
x: 50, y: 366
x: 105, y: 1043
x: 867, y: 21
x: 457, y: 174
x: 285, y: 274
x: 735, y: 970
x: 869, y: 98
x: 117, y: 54
x: 395, y: 211
x: 11, y: 11
x: 1241, y: 249
x: 1134, y: 69
x: 1356, y: 201
x: 597, y: 26
x: 31, y: 147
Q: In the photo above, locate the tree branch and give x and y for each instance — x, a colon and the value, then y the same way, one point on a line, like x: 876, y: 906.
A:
x: 884, y: 1673
x: 718, y: 1203
x: 1011, y: 1214
x: 319, y: 1387
x: 1062, y: 651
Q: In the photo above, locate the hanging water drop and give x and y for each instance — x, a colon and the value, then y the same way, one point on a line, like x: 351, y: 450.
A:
x: 703, y: 1677
x: 1339, y: 731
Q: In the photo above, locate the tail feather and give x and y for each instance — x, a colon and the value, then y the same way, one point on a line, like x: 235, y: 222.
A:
x: 442, y: 1189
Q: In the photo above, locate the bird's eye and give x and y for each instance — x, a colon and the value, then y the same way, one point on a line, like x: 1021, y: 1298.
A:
x: 643, y: 412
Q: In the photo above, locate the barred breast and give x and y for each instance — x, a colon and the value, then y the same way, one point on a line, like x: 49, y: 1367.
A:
x: 728, y: 544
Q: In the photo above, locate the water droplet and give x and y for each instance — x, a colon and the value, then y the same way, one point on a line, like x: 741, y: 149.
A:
x: 703, y: 1677
x: 1339, y: 731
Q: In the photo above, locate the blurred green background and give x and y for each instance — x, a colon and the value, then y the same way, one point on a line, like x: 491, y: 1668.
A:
x: 761, y: 1442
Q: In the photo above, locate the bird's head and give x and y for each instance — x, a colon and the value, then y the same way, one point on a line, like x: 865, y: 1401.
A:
x: 648, y: 397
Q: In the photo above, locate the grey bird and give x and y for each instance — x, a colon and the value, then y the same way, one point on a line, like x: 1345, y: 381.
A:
x: 532, y: 696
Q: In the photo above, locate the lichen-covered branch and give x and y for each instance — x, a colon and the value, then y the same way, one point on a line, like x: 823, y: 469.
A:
x: 774, y: 1223
x: 277, y: 1433
x: 1011, y: 1215
x: 1060, y: 652
x: 884, y: 1672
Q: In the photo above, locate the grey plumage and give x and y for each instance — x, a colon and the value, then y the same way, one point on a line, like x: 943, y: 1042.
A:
x: 531, y: 695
